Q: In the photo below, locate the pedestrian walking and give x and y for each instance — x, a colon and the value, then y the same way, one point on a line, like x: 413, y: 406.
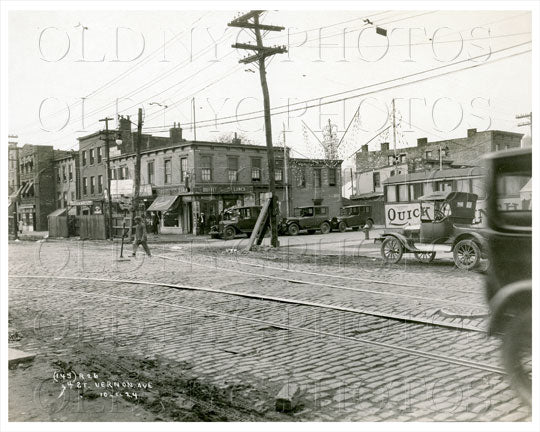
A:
x: 155, y: 223
x: 21, y: 225
x: 140, y: 236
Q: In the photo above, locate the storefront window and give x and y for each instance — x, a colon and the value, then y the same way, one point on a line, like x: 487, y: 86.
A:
x: 391, y: 194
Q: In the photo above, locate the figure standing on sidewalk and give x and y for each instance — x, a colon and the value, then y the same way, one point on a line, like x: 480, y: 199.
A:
x: 140, y: 236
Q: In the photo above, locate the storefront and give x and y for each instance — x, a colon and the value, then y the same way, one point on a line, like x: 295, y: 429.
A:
x: 27, y: 214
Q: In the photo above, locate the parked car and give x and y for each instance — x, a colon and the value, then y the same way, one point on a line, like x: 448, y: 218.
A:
x: 236, y: 220
x: 445, y: 226
x: 509, y: 278
x: 308, y: 218
x: 353, y: 216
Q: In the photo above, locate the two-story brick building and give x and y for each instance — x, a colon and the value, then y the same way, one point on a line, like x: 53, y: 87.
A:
x: 66, y: 168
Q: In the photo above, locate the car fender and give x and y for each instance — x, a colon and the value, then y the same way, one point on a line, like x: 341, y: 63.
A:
x: 403, y: 240
x: 473, y: 236
x: 516, y: 294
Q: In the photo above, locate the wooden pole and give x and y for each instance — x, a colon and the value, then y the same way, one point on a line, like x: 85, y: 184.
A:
x: 108, y: 163
x: 137, y: 175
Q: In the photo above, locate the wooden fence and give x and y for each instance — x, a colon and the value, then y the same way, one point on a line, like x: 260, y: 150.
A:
x: 58, y: 226
x: 92, y: 227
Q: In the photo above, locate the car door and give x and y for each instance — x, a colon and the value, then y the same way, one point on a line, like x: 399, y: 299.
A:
x: 244, y: 219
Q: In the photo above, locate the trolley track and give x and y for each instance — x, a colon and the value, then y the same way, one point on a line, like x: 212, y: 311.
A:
x: 317, y: 332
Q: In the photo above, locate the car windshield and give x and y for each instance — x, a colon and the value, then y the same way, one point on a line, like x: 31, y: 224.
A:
x: 434, y: 210
x: 230, y: 214
x: 345, y: 212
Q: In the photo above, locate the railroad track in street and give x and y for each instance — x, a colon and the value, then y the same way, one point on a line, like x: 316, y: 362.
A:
x: 294, y: 328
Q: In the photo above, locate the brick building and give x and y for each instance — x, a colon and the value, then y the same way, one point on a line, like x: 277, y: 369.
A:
x: 66, y: 168
x: 13, y: 185
x: 374, y: 167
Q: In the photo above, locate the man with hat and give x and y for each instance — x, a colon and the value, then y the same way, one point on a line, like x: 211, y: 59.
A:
x: 140, y: 236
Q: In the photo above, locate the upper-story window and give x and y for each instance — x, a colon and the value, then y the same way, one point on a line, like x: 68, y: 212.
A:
x: 206, y: 167
x: 317, y: 177
x: 183, y: 169
x: 429, y: 154
x: 232, y: 167
x: 256, y: 169
x: 332, y: 176
x: 376, y: 179
x: 99, y: 155
x: 70, y: 172
x: 300, y: 174
x: 150, y: 170
x: 168, y: 171
x: 64, y: 175
x: 83, y: 161
x: 92, y: 151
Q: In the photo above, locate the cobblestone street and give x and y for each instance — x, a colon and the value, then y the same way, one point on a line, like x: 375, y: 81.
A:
x: 359, y: 340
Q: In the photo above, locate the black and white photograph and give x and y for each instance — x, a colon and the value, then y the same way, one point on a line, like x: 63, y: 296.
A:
x: 317, y: 214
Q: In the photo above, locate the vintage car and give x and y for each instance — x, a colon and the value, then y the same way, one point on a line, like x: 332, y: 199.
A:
x: 353, y: 216
x: 445, y: 226
x: 236, y: 220
x: 309, y: 218
x: 509, y: 278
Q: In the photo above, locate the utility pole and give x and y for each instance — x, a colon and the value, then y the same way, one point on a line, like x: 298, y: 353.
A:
x: 261, y: 52
x: 286, y: 169
x: 194, y: 123
x: 352, y: 182
x: 394, y: 125
x: 108, y: 163
x: 137, y: 176
x: 526, y: 123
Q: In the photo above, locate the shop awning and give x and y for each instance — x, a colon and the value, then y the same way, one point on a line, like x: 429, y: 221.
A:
x: 163, y: 203
x: 58, y: 212
x: 16, y: 194
x: 27, y: 187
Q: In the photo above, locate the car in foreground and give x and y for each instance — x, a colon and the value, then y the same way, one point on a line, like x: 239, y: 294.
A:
x: 509, y: 277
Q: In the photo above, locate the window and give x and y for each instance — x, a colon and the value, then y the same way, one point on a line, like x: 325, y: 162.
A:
x: 183, y: 168
x: 84, y: 158
x: 59, y: 176
x: 332, y: 176
x: 91, y: 156
x: 150, y: 172
x: 64, y: 176
x: 59, y: 200
x: 300, y: 174
x: 64, y: 199
x: 126, y: 172
x: 85, y: 185
x: 391, y: 160
x: 391, y: 194
x: 168, y: 171
x: 232, y: 165
x: 278, y: 172
x: 72, y: 196
x: 70, y: 169
x: 206, y: 167
x: 392, y: 173
x: 376, y: 179
x: 402, y: 158
x: 317, y: 180
x: 100, y: 184
x: 92, y: 184
x: 416, y: 190
x: 428, y: 154
x: 463, y: 185
x: 403, y: 193
x: 99, y: 157
x: 321, y: 210
x: 256, y: 169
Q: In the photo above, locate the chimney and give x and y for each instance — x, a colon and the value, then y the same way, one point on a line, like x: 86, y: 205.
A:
x: 385, y: 146
x: 471, y: 132
x: 175, y: 133
x: 124, y: 124
x: 236, y: 140
x: 365, y: 148
x: 421, y: 142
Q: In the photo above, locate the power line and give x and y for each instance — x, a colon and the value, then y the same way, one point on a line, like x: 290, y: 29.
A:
x: 372, y: 85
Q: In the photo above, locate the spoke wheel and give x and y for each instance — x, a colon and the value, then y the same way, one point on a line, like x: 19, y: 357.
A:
x: 391, y: 250
x: 467, y: 255
x: 425, y: 257
x: 517, y: 354
x: 325, y: 228
x: 293, y: 229
x: 229, y: 233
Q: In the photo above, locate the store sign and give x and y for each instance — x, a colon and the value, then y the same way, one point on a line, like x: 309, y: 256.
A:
x: 400, y: 215
x: 173, y: 190
x: 223, y: 189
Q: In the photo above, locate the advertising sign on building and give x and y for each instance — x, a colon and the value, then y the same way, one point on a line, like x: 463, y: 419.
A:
x: 401, y: 215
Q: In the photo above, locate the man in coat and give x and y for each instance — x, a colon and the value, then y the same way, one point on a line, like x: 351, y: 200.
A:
x: 140, y: 236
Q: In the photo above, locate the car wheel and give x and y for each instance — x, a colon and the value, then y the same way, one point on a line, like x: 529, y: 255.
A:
x: 425, y: 257
x: 342, y: 227
x: 229, y: 233
x: 467, y: 255
x: 517, y: 353
x: 293, y: 229
x: 391, y: 250
x: 325, y: 228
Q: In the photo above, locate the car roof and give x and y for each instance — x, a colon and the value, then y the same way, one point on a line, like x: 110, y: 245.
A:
x: 312, y: 206
x: 241, y: 207
x: 357, y: 205
x: 444, y: 195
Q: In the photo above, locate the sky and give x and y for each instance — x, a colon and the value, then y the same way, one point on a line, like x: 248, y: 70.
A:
x: 68, y: 69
